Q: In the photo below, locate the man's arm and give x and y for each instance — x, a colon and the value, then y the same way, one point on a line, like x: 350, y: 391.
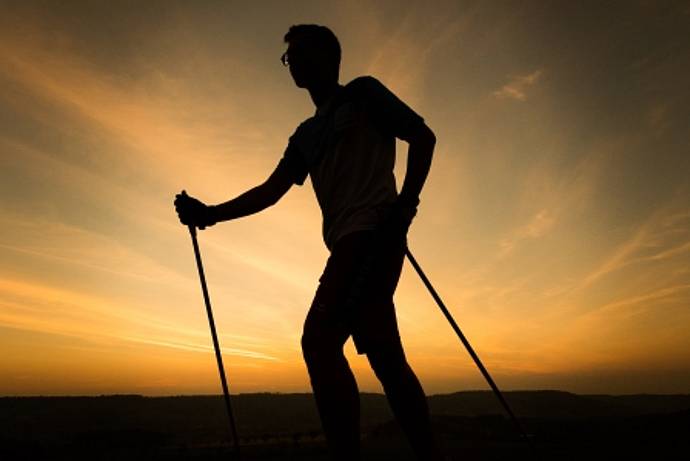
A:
x: 393, y: 117
x: 255, y: 199
x: 422, y: 141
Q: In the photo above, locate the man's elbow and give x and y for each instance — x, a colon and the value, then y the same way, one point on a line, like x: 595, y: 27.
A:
x: 423, y: 136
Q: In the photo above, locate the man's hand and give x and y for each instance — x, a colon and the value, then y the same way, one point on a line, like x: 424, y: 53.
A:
x: 193, y: 212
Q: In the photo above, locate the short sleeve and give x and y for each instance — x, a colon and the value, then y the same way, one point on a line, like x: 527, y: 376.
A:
x: 389, y: 113
x: 294, y: 163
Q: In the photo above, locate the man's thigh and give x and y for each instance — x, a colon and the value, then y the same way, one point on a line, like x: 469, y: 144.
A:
x: 326, y: 324
x: 346, y: 303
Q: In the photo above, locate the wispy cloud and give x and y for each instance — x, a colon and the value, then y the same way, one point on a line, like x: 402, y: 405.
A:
x: 518, y: 86
x: 623, y: 305
x: 401, y: 56
x: 152, y: 124
x: 542, y: 222
x: 196, y: 347
x: 78, y: 247
x: 661, y: 230
x: 33, y: 306
x: 670, y: 253
x: 619, y: 258
x: 550, y: 198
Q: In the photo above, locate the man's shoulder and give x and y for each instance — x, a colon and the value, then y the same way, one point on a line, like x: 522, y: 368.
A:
x: 359, y: 88
x: 307, y: 126
x: 363, y: 84
x: 370, y: 90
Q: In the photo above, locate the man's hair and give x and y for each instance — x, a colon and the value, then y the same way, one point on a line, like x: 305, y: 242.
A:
x: 319, y: 38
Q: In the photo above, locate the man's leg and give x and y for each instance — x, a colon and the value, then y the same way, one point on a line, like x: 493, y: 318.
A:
x: 376, y: 335
x: 406, y: 398
x: 334, y: 385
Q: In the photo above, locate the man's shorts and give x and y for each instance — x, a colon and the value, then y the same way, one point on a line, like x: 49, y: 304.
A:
x: 355, y: 293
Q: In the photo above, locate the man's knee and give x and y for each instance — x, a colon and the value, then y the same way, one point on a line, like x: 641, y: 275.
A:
x: 310, y: 346
x: 318, y: 347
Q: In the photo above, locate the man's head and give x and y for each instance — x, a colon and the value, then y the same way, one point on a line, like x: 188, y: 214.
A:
x: 313, y: 55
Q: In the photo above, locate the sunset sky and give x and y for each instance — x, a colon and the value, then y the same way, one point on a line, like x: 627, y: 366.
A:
x: 555, y: 222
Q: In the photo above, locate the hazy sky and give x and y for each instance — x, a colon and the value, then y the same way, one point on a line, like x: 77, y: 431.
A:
x: 555, y: 222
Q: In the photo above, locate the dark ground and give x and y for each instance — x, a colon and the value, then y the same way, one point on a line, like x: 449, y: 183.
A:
x: 469, y: 425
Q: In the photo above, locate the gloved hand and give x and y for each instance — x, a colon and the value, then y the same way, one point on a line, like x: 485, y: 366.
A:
x: 193, y: 212
x: 399, y: 217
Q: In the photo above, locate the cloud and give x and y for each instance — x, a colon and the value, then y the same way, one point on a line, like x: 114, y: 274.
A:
x: 33, y: 306
x: 660, y: 294
x: 551, y: 197
x: 196, y: 347
x: 661, y: 229
x: 401, y: 56
x: 79, y: 248
x: 542, y: 222
x: 619, y: 258
x: 518, y: 86
x: 670, y: 253
x: 150, y: 123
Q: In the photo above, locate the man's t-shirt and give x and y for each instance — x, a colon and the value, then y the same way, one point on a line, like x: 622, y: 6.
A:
x: 348, y: 150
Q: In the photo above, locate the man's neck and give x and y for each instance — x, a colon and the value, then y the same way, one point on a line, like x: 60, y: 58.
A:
x: 320, y: 94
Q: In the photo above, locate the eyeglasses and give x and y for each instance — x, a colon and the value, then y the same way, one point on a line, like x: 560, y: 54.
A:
x: 294, y: 55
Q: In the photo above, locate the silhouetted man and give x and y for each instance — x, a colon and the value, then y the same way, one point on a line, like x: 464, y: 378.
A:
x: 348, y: 150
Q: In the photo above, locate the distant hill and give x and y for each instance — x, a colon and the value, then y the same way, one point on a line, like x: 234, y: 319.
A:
x: 275, y: 413
x: 556, y: 404
x: 471, y: 424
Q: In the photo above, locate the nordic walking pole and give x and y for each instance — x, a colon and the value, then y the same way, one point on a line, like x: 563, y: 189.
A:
x: 467, y: 345
x: 219, y: 357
